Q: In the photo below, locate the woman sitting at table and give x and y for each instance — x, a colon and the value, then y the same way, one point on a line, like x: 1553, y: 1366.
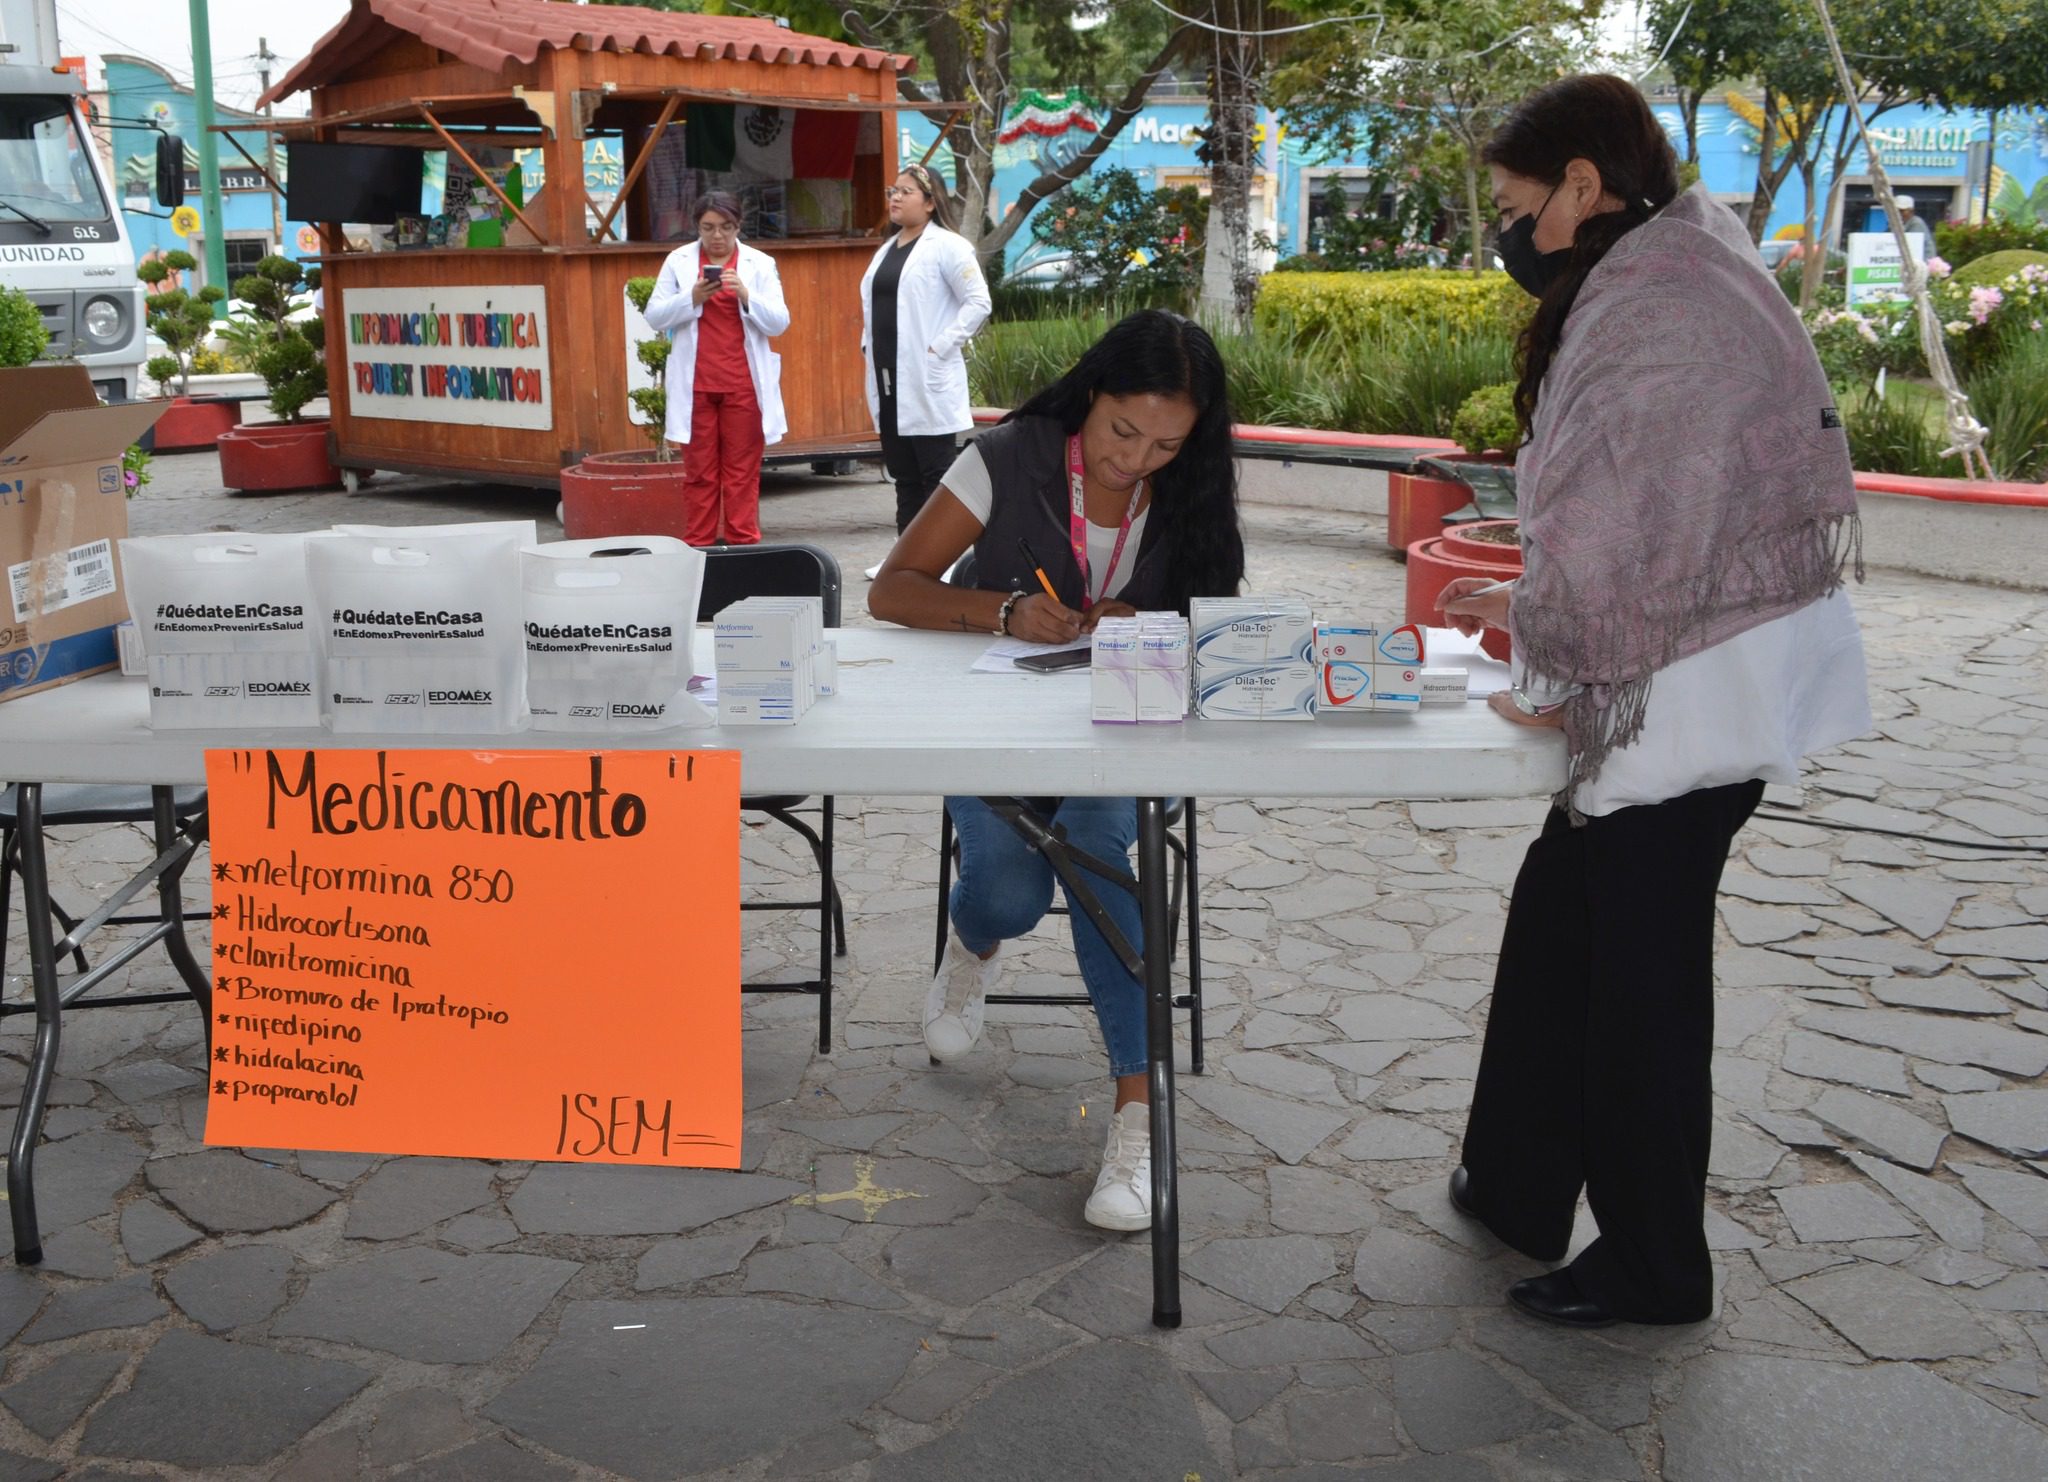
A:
x: 1118, y: 479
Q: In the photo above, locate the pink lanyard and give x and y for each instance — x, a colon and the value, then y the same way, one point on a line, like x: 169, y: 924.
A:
x: 1077, y: 525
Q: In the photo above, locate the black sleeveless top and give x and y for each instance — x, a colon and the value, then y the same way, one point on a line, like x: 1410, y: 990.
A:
x: 1026, y: 461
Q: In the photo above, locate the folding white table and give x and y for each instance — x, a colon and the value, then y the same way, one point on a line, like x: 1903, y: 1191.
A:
x: 909, y: 720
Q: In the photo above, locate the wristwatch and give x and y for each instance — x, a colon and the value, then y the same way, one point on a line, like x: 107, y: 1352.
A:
x: 1003, y: 613
x: 1528, y: 706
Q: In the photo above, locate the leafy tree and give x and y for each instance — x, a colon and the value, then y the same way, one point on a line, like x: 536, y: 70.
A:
x: 181, y: 320
x: 1429, y: 88
x: 1120, y: 235
x: 288, y: 356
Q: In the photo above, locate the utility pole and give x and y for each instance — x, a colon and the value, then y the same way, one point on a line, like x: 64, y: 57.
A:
x: 212, y: 218
x: 264, y: 57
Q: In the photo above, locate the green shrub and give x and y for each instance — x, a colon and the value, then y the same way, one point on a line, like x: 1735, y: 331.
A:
x: 1432, y: 370
x: 1372, y: 305
x: 287, y: 352
x: 181, y: 320
x: 1958, y: 243
x: 1892, y: 435
x: 651, y: 401
x: 2009, y: 395
x: 1486, y: 422
x: 22, y: 336
x: 1996, y: 267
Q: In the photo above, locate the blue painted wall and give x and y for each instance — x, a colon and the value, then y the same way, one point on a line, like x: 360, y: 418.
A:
x: 137, y: 89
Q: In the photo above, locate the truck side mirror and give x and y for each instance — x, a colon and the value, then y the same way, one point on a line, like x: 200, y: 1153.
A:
x: 170, y: 171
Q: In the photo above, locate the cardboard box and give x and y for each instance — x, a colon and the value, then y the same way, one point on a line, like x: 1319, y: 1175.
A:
x: 63, y: 504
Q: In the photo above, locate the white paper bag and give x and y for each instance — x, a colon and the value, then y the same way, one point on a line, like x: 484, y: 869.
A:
x: 610, y: 625
x: 225, y: 629
x: 419, y: 634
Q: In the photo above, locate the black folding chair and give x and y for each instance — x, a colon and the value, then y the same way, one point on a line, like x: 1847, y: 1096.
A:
x: 1186, y: 886
x: 73, y: 805
x: 730, y: 573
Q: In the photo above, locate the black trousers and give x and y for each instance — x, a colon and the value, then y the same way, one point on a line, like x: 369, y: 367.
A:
x: 915, y: 464
x: 1596, y: 1071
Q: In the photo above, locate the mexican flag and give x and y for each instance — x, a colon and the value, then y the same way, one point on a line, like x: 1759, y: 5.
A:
x: 772, y: 143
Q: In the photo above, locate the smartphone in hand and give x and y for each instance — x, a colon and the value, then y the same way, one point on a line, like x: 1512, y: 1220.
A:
x: 714, y: 274
x: 1066, y: 658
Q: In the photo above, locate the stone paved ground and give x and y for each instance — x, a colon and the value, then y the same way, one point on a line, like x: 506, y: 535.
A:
x: 1878, y: 1200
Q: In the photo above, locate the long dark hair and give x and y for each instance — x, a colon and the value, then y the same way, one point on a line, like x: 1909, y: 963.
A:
x: 1601, y: 119
x: 934, y: 193
x: 724, y: 203
x: 1194, y: 497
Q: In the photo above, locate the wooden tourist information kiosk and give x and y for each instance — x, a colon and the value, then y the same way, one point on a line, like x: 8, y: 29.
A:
x: 493, y: 338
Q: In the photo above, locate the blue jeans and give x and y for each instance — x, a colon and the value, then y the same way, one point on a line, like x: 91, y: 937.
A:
x: 1005, y: 886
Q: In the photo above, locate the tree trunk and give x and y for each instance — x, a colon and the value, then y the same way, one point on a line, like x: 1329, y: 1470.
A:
x: 1054, y: 181
x: 1766, y: 188
x: 1689, y: 106
x: 1478, y: 223
x: 1228, y: 282
x: 1816, y: 252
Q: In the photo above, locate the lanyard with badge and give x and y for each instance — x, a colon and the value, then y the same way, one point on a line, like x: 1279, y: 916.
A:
x: 1077, y: 525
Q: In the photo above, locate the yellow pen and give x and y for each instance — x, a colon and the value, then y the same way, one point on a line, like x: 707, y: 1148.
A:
x: 1036, y: 569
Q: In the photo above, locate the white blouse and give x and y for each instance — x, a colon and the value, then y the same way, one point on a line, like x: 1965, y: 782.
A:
x: 1747, y: 708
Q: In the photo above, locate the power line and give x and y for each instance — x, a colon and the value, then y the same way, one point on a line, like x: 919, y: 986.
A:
x: 1372, y: 46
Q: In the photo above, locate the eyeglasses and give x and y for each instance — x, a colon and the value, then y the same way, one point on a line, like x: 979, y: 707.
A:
x: 902, y: 190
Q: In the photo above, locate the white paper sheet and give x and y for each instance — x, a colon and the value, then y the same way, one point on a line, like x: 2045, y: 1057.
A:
x: 1002, y: 655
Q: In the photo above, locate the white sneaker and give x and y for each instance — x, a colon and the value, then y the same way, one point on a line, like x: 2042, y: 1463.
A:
x: 1123, y: 1190
x: 873, y: 571
x: 954, y: 1007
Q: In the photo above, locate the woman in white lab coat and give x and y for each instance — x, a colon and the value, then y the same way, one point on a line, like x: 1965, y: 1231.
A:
x: 921, y: 300
x: 723, y: 301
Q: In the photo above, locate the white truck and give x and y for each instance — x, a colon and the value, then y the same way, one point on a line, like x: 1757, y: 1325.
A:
x: 62, y: 239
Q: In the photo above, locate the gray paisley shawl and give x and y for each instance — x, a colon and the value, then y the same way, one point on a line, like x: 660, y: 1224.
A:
x: 1686, y: 478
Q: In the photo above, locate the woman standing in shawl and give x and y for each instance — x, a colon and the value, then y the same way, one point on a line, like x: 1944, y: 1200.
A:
x: 1687, y: 511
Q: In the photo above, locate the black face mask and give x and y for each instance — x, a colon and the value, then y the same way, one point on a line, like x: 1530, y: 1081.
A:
x: 1534, y: 271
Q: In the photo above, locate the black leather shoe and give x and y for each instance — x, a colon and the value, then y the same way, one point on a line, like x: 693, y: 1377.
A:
x: 1461, y: 1192
x: 1555, y: 1297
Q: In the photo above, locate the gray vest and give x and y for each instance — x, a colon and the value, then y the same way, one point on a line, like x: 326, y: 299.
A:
x: 1027, y: 473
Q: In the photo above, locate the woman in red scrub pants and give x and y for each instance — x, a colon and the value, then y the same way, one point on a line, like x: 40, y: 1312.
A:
x: 722, y: 302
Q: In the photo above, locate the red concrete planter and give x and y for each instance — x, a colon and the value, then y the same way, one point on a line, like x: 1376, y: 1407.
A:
x: 273, y: 456
x: 191, y: 424
x: 623, y: 494
x: 1417, y: 504
x: 1439, y: 560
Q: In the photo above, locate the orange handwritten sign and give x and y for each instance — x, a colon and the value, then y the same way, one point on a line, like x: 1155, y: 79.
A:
x: 516, y: 954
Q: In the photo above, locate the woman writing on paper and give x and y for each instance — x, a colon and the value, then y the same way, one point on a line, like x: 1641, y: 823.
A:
x: 1119, y: 479
x: 921, y: 299
x: 1687, y: 512
x: 723, y: 301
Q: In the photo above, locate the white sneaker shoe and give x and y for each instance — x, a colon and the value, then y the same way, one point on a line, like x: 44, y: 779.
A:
x: 1123, y: 1190
x: 953, y: 1009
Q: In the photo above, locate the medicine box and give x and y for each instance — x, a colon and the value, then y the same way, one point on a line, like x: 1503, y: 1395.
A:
x: 1249, y: 633
x: 1445, y: 686
x: 1271, y: 692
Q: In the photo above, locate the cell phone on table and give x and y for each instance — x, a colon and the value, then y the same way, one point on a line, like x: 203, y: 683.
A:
x: 1066, y: 658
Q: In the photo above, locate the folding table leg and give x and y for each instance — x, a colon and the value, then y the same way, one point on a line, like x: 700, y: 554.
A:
x: 170, y: 894
x: 42, y: 1065
x: 1152, y: 911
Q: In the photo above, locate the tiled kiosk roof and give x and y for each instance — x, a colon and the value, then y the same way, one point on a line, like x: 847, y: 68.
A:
x: 492, y: 34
